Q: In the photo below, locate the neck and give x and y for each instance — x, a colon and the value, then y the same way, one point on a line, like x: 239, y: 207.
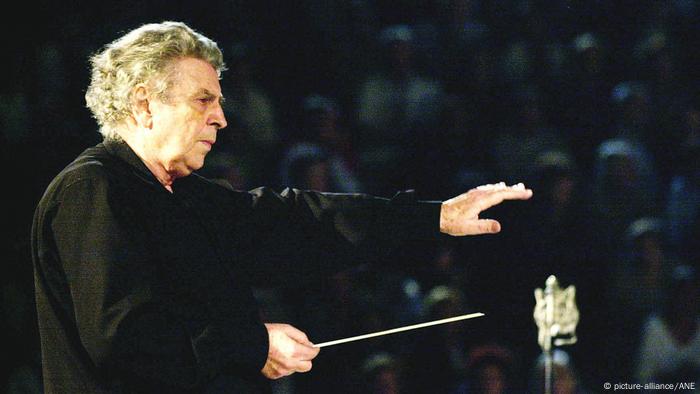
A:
x: 158, y: 170
x: 140, y: 146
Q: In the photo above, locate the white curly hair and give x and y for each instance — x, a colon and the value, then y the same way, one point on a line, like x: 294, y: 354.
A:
x: 142, y: 55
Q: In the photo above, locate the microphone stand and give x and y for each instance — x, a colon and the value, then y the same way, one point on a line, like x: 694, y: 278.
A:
x: 556, y: 316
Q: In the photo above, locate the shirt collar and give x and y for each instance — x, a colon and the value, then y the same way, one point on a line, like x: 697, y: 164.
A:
x: 123, y: 151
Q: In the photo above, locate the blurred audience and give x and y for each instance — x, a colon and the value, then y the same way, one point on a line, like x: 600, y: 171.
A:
x: 247, y: 100
x: 321, y: 156
x: 570, y: 252
x: 516, y: 148
x: 585, y: 90
x: 381, y: 374
x: 598, y: 115
x: 394, y: 104
x: 624, y: 187
x: 491, y: 370
x: 683, y: 202
x: 640, y: 277
x: 445, y: 267
x: 437, y: 362
x: 455, y: 147
x: 656, y: 57
x: 670, y: 347
x: 255, y: 139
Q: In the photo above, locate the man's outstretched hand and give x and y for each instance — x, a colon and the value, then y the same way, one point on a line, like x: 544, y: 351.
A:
x: 290, y: 351
x: 460, y: 215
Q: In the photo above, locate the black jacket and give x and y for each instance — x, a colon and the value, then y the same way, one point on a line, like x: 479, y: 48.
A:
x: 142, y: 290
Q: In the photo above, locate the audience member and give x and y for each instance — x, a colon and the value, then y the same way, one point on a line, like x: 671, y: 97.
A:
x: 247, y: 100
x: 381, y: 375
x: 585, y: 97
x: 633, y: 118
x: 670, y: 344
x: 255, y: 139
x: 446, y: 267
x: 491, y: 370
x: 683, y: 199
x: 321, y: 153
x: 530, y: 134
x: 636, y: 286
x: 624, y: 188
x: 393, y: 105
x: 656, y: 57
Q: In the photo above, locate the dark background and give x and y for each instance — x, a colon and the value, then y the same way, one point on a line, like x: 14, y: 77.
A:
x: 605, y: 131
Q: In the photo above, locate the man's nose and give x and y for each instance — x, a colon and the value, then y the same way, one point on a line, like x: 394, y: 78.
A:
x: 218, y: 119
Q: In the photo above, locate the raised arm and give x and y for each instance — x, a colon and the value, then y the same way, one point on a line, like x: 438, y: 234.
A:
x: 301, y: 234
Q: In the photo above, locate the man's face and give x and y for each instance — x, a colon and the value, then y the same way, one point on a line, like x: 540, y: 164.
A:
x: 185, y: 123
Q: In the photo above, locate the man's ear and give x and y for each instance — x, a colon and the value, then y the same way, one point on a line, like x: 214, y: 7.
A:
x: 141, y: 106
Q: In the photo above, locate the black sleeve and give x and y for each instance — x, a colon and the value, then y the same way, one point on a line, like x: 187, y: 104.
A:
x: 300, y: 235
x: 123, y: 319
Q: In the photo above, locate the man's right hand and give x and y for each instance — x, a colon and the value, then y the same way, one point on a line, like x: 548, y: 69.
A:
x: 290, y: 351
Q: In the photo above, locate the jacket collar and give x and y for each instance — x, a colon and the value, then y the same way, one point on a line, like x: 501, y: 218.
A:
x: 123, y: 151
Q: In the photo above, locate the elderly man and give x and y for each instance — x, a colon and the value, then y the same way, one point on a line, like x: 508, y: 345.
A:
x: 144, y: 269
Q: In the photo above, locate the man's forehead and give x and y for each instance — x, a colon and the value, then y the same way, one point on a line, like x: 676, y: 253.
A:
x: 197, y: 76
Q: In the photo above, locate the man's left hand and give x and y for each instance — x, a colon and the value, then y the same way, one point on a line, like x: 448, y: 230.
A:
x: 460, y: 215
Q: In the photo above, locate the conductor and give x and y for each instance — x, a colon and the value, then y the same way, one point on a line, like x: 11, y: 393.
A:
x: 144, y: 269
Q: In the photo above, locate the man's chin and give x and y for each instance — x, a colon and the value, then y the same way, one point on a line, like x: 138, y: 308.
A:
x: 195, y: 165
x: 185, y: 169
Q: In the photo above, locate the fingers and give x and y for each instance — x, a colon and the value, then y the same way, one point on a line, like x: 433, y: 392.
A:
x: 496, y: 196
x: 296, y: 334
x: 515, y: 192
x: 305, y: 352
x: 290, y: 351
x: 501, y: 186
x: 486, y: 196
x: 303, y: 349
x: 476, y: 227
x: 487, y: 226
x: 303, y: 366
x: 274, y: 370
